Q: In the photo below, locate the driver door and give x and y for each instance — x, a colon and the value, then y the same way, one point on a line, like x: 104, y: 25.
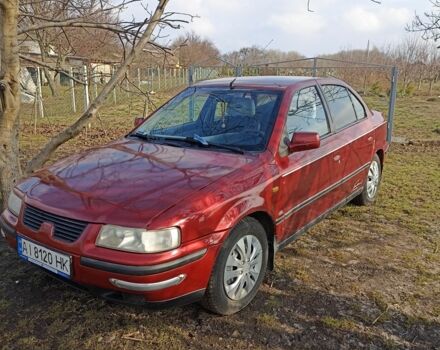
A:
x: 308, y: 178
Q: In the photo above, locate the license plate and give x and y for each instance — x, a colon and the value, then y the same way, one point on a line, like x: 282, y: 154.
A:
x: 53, y: 261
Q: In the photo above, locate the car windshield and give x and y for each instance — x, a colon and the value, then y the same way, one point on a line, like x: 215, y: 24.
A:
x: 239, y: 118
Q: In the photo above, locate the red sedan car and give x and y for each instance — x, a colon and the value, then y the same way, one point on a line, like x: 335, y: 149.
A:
x: 197, y: 199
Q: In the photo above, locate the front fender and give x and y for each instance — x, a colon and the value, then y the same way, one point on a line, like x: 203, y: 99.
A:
x: 242, y: 208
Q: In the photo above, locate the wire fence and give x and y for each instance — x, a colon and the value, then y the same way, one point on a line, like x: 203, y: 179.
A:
x: 72, y: 97
x: 81, y: 84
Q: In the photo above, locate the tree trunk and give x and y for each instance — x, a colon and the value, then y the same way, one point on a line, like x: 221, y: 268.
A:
x: 9, y: 99
x: 74, y: 130
x: 50, y: 81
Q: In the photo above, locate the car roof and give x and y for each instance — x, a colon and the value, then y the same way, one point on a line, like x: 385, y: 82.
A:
x: 270, y: 81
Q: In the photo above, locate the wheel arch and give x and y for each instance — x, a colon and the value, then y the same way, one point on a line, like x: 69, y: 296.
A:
x: 269, y: 226
x: 251, y: 207
x: 381, y: 154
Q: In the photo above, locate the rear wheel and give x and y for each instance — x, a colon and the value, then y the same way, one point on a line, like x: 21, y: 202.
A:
x: 239, y: 269
x: 372, y: 182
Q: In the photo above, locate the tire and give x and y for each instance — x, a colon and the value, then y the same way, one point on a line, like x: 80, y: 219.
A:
x: 226, y: 296
x: 372, y: 183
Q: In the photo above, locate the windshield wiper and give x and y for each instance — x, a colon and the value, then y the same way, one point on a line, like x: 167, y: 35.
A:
x: 196, y: 139
x: 200, y: 140
x: 143, y: 136
x: 161, y: 139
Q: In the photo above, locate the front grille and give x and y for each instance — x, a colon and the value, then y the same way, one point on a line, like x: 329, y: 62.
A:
x: 64, y: 228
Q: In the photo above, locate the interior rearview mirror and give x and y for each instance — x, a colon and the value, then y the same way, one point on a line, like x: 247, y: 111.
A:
x: 302, y: 141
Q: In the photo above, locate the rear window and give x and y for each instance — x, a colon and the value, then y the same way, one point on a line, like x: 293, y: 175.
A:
x: 340, y: 104
x: 358, y: 107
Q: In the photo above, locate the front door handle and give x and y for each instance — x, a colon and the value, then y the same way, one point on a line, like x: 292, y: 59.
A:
x: 337, y: 158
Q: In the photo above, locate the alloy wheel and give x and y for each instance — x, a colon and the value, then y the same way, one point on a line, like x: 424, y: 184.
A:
x: 243, y: 267
x: 373, y: 179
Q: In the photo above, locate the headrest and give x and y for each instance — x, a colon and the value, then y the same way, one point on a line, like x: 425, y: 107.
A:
x: 241, y: 106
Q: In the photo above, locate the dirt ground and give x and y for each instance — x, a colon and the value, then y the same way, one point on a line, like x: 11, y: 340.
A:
x: 367, y: 277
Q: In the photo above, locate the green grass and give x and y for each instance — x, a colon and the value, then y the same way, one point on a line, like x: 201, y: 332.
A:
x: 416, y: 117
x: 343, y: 324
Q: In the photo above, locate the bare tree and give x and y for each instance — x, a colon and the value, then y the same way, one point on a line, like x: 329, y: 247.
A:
x: 56, y: 42
x: 192, y: 49
x: 254, y: 55
x: 134, y: 36
x: 10, y: 169
x: 428, y: 24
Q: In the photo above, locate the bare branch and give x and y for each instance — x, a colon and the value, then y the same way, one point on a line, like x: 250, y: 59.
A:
x: 93, y: 108
x: 429, y: 24
x: 74, y: 23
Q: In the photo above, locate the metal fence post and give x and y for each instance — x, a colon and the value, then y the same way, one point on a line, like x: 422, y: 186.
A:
x: 190, y: 75
x: 95, y: 87
x: 39, y: 93
x: 114, y: 89
x: 315, y: 67
x: 393, y: 96
x: 237, y: 71
x: 72, y: 88
x: 127, y: 86
x: 165, y: 82
x: 158, y: 76
x: 86, y: 89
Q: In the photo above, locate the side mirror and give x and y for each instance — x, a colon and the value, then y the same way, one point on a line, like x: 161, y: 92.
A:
x: 302, y: 141
x: 138, y: 121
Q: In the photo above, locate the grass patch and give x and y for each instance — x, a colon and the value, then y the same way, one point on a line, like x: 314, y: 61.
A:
x: 343, y: 324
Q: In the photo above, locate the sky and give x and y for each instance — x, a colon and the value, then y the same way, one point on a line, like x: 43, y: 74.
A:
x: 287, y: 25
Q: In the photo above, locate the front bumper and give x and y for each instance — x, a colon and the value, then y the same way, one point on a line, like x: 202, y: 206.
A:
x: 183, y: 276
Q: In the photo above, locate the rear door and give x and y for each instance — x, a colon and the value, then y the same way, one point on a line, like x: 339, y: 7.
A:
x: 351, y: 127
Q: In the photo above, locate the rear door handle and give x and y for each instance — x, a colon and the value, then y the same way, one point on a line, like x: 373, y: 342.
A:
x: 370, y: 139
x: 337, y: 158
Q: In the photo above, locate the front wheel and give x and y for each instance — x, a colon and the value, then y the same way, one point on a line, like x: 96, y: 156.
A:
x: 372, y: 182
x: 239, y: 269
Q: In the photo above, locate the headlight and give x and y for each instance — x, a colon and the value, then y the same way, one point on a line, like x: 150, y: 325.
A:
x: 138, y: 240
x: 14, y: 203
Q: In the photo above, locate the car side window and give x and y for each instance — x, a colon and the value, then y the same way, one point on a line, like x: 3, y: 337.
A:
x: 306, y: 113
x: 341, y: 107
x: 358, y: 107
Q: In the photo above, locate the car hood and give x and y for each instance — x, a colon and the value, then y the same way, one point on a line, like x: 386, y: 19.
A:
x: 127, y: 182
